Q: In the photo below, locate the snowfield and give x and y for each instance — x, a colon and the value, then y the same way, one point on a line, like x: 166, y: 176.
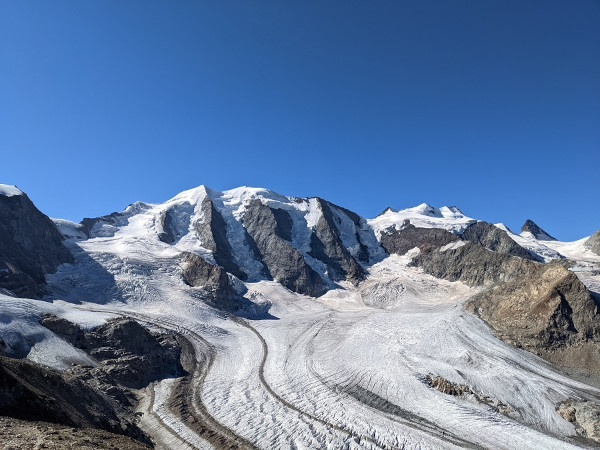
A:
x: 346, y: 370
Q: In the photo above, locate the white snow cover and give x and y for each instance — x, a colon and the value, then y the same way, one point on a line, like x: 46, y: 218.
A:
x: 425, y: 216
x: 345, y: 370
x: 21, y: 331
x: 9, y: 190
x: 69, y: 229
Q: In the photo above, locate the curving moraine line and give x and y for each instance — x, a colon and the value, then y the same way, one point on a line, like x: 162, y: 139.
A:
x: 185, y: 401
x: 367, y: 399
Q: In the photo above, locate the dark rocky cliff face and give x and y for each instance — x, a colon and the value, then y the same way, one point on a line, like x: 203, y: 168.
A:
x: 472, y: 264
x: 34, y: 392
x: 271, y: 231
x: 212, y: 280
x: 30, y: 246
x: 401, y: 241
x: 327, y: 246
x: 495, y: 239
x: 212, y: 232
x: 168, y: 235
x: 127, y: 352
x: 531, y: 227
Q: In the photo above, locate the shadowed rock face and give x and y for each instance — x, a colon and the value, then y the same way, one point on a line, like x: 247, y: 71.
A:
x: 495, y: 239
x: 168, y: 233
x: 401, y: 241
x: 34, y: 392
x: 471, y: 264
x: 30, y: 246
x: 326, y: 246
x: 88, y: 223
x: 127, y: 352
x: 213, y: 280
x: 212, y: 232
x: 546, y: 307
x: 531, y: 227
x: 593, y: 242
x: 271, y: 230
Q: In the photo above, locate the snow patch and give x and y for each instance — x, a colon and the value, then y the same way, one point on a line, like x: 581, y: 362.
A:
x: 9, y: 190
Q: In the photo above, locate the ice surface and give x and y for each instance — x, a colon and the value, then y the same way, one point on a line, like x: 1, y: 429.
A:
x: 19, y: 324
x: 9, y: 190
x: 70, y: 230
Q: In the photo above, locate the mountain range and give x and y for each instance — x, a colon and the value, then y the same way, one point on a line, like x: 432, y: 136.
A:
x: 250, y: 319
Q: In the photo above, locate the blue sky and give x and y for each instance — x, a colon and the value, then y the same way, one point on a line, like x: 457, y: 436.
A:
x: 493, y: 106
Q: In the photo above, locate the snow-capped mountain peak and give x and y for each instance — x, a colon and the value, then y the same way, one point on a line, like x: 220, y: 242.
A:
x: 531, y: 227
x: 10, y: 190
x: 425, y: 216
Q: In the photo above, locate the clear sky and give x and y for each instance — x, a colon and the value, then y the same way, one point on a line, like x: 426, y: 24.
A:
x: 493, y: 106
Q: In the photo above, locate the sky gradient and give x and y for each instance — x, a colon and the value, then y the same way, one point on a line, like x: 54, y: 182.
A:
x: 493, y: 106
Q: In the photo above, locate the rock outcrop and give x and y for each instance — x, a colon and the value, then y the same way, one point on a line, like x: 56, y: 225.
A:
x: 30, y: 391
x: 212, y: 233
x: 584, y: 415
x: 593, y: 242
x: 546, y: 310
x: 531, y: 227
x: 127, y: 352
x: 167, y: 232
x: 271, y: 231
x: 472, y: 264
x: 212, y: 280
x: 30, y: 246
x: 464, y: 392
x: 495, y: 239
x: 408, y: 237
x: 326, y: 245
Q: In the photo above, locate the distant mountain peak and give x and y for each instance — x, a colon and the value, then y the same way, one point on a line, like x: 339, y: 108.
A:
x: 531, y: 227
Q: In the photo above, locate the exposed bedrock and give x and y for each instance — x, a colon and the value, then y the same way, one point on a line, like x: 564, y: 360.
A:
x: 584, y: 415
x: 464, y: 392
x: 471, y: 264
x: 546, y: 310
x: 212, y: 233
x: 127, y: 353
x: 34, y: 392
x: 271, y: 231
x: 167, y: 230
x: 593, y: 242
x: 212, y: 280
x: 401, y: 241
x: 326, y: 245
x: 30, y: 246
x: 495, y: 239
x: 531, y: 227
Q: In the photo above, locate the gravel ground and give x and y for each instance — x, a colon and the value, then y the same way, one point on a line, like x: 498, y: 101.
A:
x: 21, y: 434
